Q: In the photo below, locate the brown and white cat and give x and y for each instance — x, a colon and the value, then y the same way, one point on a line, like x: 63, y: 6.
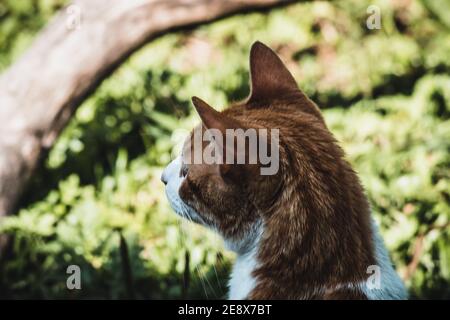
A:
x: 302, y: 233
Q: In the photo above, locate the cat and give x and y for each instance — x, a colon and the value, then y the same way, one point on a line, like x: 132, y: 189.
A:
x: 306, y: 231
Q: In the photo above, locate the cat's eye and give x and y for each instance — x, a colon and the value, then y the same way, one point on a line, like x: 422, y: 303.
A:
x: 183, y: 171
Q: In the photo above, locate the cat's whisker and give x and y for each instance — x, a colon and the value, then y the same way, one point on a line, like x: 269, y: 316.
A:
x: 202, y: 276
x: 211, y: 286
x: 217, y: 278
x: 217, y: 241
x: 202, y: 281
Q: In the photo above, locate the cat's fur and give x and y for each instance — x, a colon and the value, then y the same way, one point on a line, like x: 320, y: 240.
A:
x: 303, y: 233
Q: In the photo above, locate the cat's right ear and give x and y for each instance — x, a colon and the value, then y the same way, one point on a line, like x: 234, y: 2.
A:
x: 270, y: 80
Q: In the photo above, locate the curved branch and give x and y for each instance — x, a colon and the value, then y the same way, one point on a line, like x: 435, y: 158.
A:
x: 40, y: 92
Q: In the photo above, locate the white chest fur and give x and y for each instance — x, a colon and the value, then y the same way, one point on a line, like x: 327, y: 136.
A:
x: 242, y: 282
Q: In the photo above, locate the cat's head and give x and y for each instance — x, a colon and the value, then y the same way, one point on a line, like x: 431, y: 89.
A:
x: 232, y: 198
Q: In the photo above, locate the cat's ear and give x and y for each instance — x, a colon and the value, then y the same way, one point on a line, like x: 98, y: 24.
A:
x: 212, y: 119
x: 269, y: 77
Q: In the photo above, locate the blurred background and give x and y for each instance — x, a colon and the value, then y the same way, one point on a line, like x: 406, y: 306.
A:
x: 97, y: 201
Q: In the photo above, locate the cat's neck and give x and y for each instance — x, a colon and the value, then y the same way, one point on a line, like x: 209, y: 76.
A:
x: 255, y: 277
x: 282, y: 258
x: 315, y: 236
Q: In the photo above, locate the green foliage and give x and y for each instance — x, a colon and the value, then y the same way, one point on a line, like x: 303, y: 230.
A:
x: 385, y: 95
x: 19, y: 22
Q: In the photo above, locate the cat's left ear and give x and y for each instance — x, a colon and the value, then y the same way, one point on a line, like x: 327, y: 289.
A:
x: 269, y: 77
x: 212, y: 119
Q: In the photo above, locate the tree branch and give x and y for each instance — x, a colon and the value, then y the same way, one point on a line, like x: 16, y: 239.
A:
x: 40, y: 92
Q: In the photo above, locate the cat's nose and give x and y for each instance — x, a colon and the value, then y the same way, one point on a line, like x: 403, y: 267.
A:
x: 169, y: 171
x: 164, y: 177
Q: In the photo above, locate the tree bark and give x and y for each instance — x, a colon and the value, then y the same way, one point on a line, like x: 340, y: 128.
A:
x: 82, y: 45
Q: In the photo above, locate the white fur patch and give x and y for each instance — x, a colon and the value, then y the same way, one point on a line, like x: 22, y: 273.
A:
x: 242, y: 282
x: 172, y: 176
